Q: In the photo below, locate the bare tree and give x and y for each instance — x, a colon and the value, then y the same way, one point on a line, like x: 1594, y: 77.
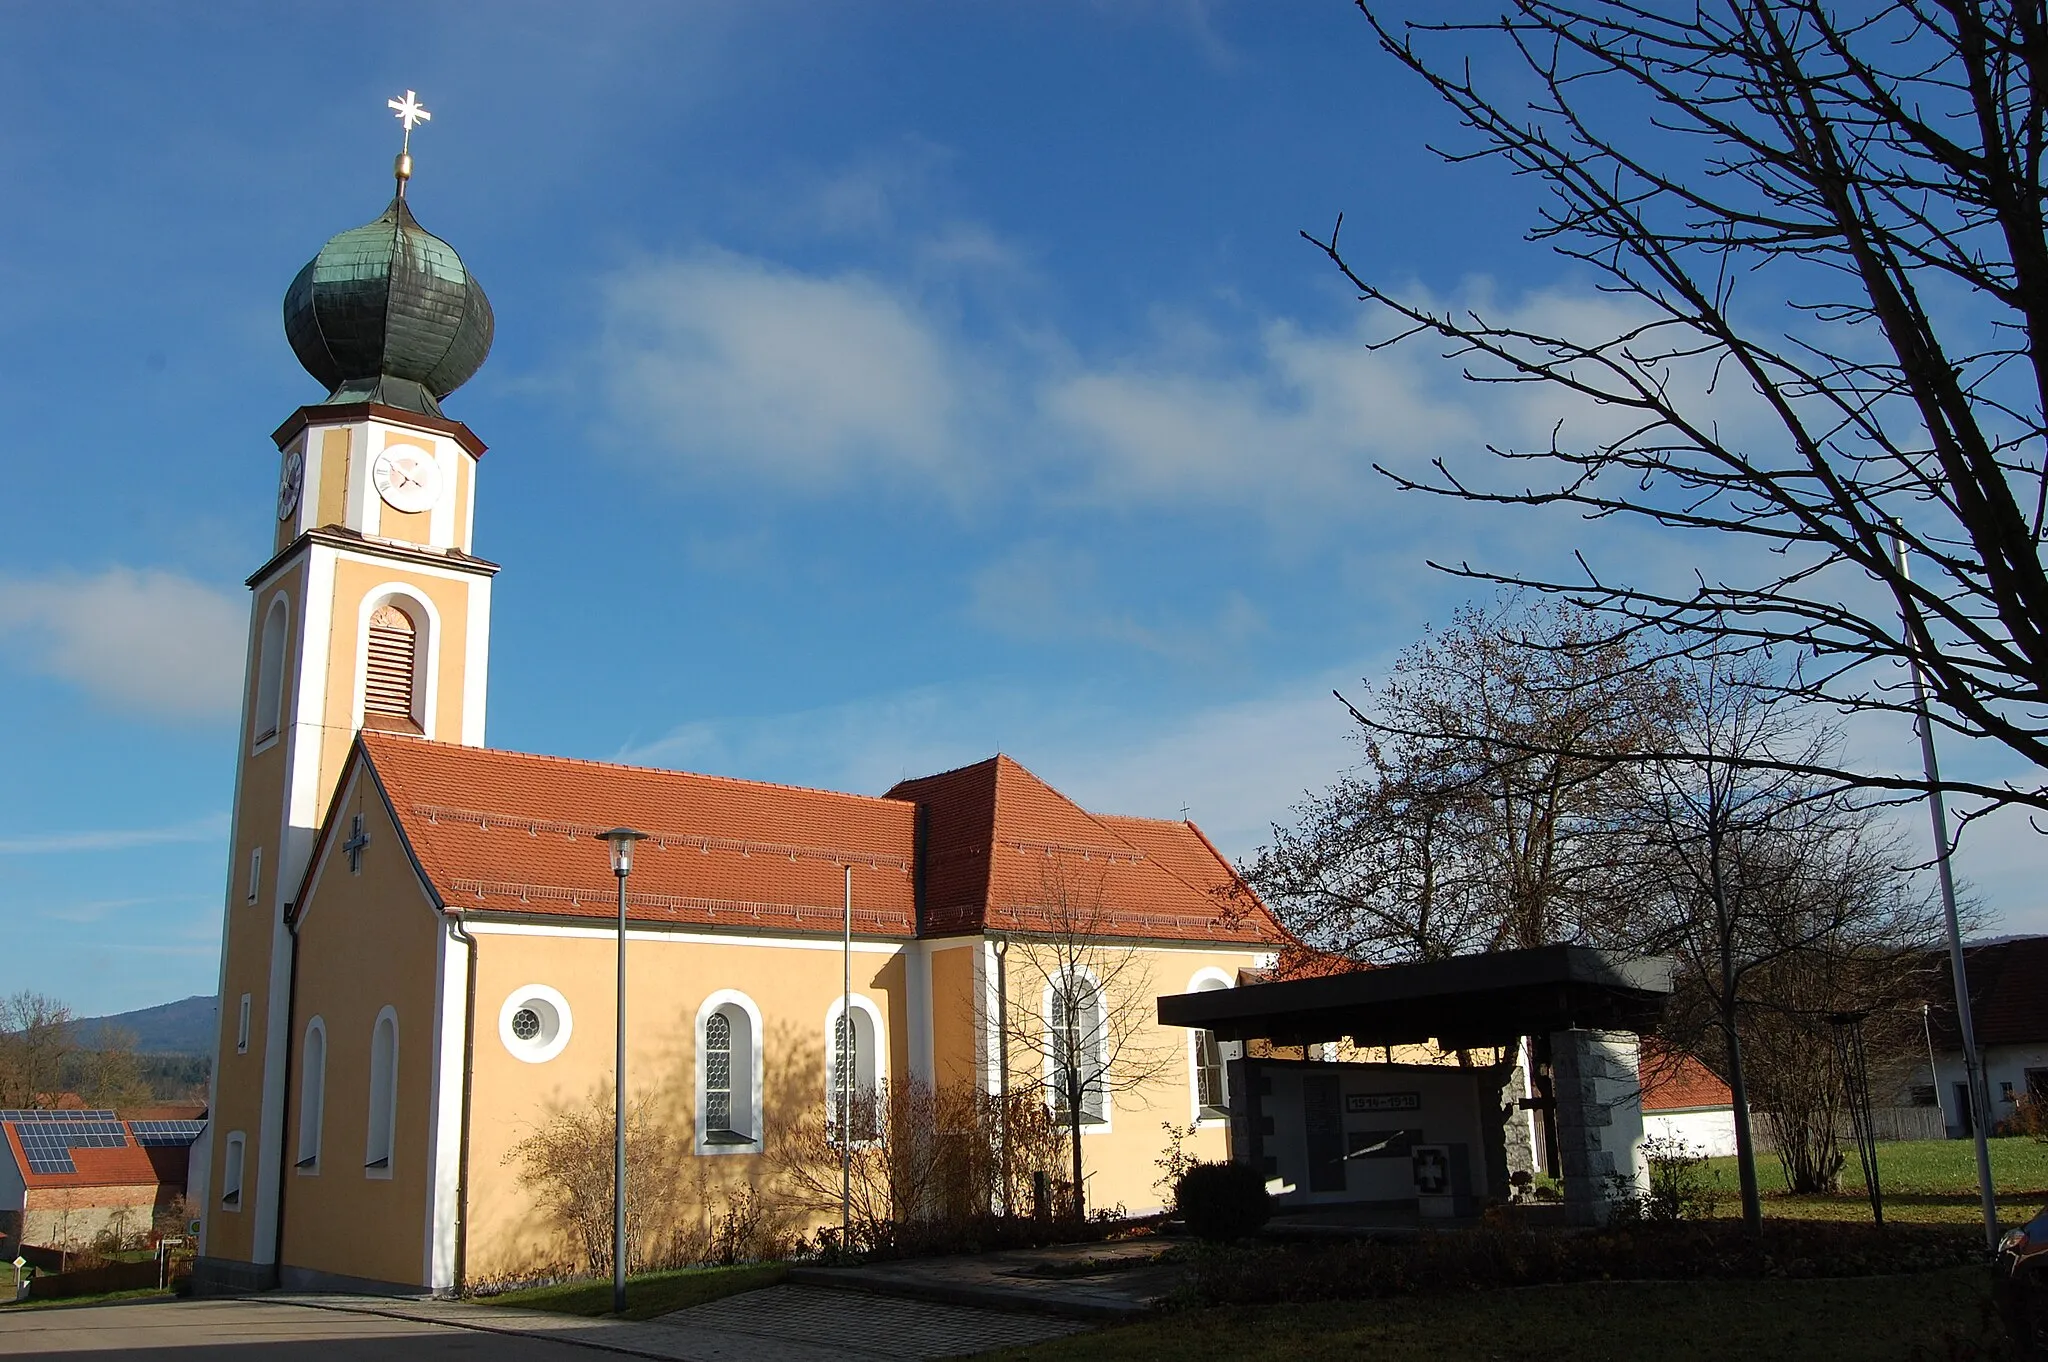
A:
x: 1779, y: 895
x: 1080, y: 1018
x: 1494, y: 780
x: 36, y: 1038
x: 566, y: 1163
x: 1823, y: 234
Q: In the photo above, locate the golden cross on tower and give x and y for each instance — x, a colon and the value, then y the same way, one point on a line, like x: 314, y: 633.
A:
x: 411, y: 113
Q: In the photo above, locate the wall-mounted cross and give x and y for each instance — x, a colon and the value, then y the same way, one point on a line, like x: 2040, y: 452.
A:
x: 357, y: 840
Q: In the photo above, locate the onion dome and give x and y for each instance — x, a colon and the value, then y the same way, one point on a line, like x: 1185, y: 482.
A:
x: 387, y: 313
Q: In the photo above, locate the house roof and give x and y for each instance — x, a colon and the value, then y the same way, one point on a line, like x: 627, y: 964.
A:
x: 510, y: 832
x: 72, y: 1147
x: 1007, y: 852
x: 2007, y: 1000
x: 1673, y: 1080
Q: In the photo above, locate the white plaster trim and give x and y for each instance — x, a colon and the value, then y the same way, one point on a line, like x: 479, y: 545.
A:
x: 444, y: 1153
x: 397, y: 1089
x: 1208, y: 974
x: 1102, y: 1126
x: 426, y: 707
x: 722, y: 998
x: 524, y: 996
x: 306, y: 1076
x: 880, y: 1043
x: 370, y: 557
x: 682, y: 938
x: 917, y: 1008
x: 476, y: 662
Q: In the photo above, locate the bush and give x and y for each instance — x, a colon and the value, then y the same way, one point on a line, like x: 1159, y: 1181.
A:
x: 1223, y: 1201
x: 1680, y: 1187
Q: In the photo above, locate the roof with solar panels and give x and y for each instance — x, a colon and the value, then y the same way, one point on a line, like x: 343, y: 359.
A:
x: 65, y: 1147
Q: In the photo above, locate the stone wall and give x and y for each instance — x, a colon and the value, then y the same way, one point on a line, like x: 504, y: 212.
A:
x: 1599, y: 1120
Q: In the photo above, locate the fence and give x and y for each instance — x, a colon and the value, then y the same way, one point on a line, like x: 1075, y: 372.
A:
x: 1889, y: 1124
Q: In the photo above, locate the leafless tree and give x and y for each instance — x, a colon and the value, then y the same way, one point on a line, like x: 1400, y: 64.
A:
x: 1822, y: 232
x: 565, y: 1161
x: 36, y: 1038
x: 1080, y: 1022
x: 1494, y: 780
x: 1779, y: 894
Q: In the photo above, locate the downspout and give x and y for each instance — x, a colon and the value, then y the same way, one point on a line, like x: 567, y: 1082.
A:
x: 1000, y: 945
x: 284, y: 1148
x: 468, y: 1069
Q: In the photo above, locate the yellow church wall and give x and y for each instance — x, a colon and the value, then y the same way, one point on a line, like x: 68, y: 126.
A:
x: 956, y: 1037
x: 1120, y: 1162
x: 335, y: 456
x: 366, y: 941
x: 793, y: 986
x: 245, y: 968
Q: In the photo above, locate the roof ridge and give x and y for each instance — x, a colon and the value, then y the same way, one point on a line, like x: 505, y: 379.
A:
x: 664, y: 771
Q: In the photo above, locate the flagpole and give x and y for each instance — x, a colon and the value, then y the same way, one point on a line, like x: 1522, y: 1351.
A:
x: 1958, y: 971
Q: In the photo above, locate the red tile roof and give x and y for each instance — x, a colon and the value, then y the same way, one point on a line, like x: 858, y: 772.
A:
x: 1673, y: 1080
x: 1296, y: 961
x: 129, y: 1165
x: 508, y: 832
x: 1007, y: 852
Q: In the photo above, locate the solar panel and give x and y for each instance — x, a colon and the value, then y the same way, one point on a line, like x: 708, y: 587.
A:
x: 49, y: 1138
x: 18, y: 1117
x: 166, y: 1134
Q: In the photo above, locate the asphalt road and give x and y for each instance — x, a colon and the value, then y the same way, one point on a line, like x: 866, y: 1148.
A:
x: 186, y: 1330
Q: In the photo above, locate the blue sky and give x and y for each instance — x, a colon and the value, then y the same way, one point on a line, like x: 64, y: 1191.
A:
x: 876, y: 387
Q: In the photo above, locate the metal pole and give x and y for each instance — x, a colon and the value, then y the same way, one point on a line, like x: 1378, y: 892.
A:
x: 619, y: 1124
x: 1959, y: 974
x: 845, y: 1046
x: 1933, y: 1069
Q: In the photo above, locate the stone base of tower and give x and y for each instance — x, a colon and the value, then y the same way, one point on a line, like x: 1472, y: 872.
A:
x: 227, y: 1277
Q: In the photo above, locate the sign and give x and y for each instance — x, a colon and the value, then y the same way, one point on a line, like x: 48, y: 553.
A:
x: 1383, y: 1101
x: 1432, y: 1165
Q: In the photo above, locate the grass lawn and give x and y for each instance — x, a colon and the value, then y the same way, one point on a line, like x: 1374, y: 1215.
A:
x: 655, y: 1293
x: 104, y: 1298
x: 1933, y: 1315
x: 1924, y: 1181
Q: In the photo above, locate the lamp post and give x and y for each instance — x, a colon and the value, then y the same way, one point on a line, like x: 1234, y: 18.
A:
x: 621, y: 840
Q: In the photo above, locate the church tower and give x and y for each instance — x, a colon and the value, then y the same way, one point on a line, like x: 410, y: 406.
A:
x: 372, y: 612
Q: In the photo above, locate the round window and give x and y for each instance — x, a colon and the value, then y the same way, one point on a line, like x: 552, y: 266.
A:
x: 534, y: 1023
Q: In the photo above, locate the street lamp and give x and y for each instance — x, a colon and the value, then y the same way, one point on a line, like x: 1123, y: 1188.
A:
x: 621, y: 840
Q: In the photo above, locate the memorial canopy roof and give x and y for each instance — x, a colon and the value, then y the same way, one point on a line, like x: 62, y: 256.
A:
x: 1467, y: 1000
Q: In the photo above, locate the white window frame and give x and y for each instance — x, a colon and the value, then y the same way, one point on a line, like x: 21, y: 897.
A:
x: 556, y: 1023
x: 312, y: 1097
x: 1098, y: 1121
x: 870, y: 1058
x: 231, y: 1171
x: 266, y: 710
x: 731, y: 1001
x: 382, y: 1132
x: 1207, y: 979
x: 426, y: 656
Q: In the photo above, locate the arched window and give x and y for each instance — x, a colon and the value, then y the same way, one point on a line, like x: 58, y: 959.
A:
x: 1210, y: 1079
x: 231, y: 1172
x: 853, y: 1072
x: 1077, y: 1055
x: 391, y: 669
x: 728, y: 1105
x: 268, y: 713
x: 383, y: 1095
x: 312, y: 1094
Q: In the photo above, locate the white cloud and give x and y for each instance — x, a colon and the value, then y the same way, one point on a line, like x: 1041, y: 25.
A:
x: 726, y: 361
x: 139, y: 640
x: 213, y: 827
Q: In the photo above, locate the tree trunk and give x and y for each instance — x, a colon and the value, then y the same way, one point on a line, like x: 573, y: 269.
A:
x: 1745, y: 1138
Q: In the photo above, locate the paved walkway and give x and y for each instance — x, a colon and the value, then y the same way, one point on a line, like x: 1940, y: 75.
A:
x: 790, y: 1323
x: 1096, y: 1282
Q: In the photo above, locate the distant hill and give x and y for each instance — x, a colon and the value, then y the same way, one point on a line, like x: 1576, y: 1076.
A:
x: 186, y: 1027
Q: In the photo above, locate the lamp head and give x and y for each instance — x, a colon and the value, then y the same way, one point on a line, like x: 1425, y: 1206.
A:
x: 621, y: 840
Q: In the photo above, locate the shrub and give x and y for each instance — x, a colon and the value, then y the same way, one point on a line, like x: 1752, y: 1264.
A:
x: 1223, y: 1201
x: 1680, y: 1187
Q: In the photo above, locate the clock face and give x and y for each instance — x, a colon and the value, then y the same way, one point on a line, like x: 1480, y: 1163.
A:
x: 289, y: 483
x: 408, y: 479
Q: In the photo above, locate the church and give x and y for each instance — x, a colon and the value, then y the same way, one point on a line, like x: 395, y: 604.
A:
x: 419, y: 938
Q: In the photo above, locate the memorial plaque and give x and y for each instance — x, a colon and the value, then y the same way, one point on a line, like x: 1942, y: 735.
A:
x: 1383, y: 1101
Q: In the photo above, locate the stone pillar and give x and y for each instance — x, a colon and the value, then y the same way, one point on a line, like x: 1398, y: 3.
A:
x: 1599, y: 1121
